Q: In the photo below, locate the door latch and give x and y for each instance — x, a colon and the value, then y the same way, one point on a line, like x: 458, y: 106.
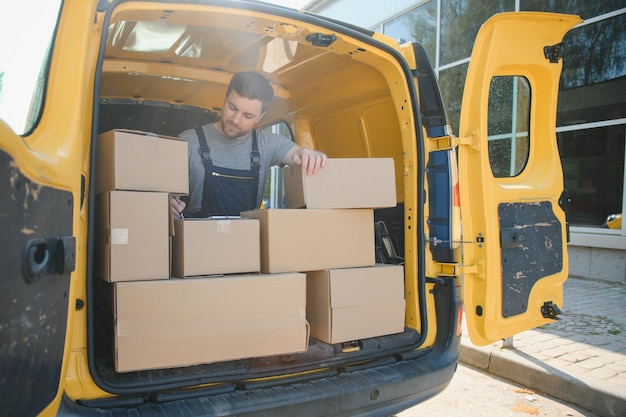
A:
x: 549, y: 310
x: 553, y: 52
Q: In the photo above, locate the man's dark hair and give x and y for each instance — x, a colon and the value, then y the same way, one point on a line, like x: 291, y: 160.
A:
x: 252, y: 85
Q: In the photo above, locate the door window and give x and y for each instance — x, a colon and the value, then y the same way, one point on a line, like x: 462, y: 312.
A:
x: 508, y: 125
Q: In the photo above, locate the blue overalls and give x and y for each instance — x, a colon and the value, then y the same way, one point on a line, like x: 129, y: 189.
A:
x: 226, y: 191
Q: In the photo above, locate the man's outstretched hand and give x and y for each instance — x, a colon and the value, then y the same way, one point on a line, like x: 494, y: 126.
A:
x: 310, y: 160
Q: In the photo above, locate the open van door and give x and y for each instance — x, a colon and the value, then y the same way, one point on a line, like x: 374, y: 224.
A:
x: 510, y: 177
x: 37, y: 256
x: 40, y: 198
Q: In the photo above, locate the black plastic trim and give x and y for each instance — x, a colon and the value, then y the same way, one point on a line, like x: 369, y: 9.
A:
x: 434, y: 115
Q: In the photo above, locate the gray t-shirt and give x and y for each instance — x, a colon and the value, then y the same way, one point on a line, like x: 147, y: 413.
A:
x: 233, y: 154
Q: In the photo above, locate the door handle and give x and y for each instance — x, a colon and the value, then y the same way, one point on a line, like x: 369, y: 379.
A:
x: 35, y: 259
x: 48, y: 256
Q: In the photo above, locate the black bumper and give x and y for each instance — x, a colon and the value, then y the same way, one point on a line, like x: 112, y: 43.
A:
x: 379, y: 390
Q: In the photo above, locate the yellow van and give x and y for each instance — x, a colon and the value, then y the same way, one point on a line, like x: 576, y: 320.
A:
x: 74, y: 70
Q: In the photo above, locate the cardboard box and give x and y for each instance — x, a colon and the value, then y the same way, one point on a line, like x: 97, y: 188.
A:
x: 132, y: 240
x: 140, y: 161
x: 308, y: 240
x: 180, y: 322
x: 355, y: 303
x: 215, y: 246
x: 343, y: 183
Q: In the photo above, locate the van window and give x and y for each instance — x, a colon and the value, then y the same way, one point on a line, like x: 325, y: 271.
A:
x: 23, y: 60
x: 508, y: 125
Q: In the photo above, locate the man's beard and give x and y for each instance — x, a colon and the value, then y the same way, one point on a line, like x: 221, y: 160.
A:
x: 231, y: 131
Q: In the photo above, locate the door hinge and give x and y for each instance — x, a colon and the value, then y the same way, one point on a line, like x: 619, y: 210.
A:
x: 478, y: 269
x: 472, y: 141
x: 553, y: 53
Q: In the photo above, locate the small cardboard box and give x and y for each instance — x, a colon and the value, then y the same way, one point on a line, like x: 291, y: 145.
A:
x: 180, y: 322
x: 132, y: 240
x: 308, y: 240
x: 215, y: 246
x: 355, y: 303
x: 140, y: 161
x: 343, y: 183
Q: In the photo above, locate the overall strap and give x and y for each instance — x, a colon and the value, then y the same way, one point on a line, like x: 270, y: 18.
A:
x: 205, y: 153
x: 255, y: 155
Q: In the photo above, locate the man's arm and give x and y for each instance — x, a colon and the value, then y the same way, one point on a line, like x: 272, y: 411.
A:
x: 309, y: 159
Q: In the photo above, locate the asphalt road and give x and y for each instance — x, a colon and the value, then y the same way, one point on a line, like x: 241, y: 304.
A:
x: 475, y: 394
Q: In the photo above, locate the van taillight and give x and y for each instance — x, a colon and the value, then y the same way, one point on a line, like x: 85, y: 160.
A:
x: 459, y: 324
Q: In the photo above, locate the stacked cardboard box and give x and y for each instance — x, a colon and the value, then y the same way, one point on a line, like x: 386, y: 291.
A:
x: 349, y: 296
x: 215, y: 246
x: 132, y: 204
x: 163, y: 321
x: 181, y: 322
x: 344, y: 183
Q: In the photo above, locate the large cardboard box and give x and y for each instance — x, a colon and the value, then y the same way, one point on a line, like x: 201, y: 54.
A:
x: 179, y: 322
x: 140, y: 161
x: 308, y: 240
x: 215, y: 246
x: 343, y: 183
x: 132, y: 239
x: 355, y: 303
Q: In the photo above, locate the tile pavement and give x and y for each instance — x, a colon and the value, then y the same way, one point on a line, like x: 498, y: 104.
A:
x: 580, y: 359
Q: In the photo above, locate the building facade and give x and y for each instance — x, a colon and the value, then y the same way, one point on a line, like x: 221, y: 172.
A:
x: 591, y: 114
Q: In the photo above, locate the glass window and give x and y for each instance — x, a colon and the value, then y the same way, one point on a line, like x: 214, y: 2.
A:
x: 508, y: 125
x: 23, y: 60
x: 154, y: 36
x: 594, y: 73
x: 583, y: 8
x: 593, y: 170
x: 460, y: 21
x: 595, y: 53
x: 419, y: 25
x: 452, y: 83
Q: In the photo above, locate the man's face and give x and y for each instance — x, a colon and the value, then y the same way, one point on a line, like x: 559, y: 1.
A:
x: 239, y: 115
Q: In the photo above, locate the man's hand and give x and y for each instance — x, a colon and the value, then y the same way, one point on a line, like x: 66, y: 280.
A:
x: 310, y: 160
x: 177, y: 207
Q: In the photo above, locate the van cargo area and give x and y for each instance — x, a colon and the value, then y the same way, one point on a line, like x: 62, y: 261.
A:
x: 317, y: 97
x: 377, y: 238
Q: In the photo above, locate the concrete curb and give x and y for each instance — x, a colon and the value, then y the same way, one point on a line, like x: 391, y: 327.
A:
x: 518, y: 367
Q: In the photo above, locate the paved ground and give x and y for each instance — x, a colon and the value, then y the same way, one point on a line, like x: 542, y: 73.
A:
x: 580, y: 359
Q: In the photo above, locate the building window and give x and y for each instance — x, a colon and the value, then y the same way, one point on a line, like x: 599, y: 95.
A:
x: 460, y: 22
x: 584, y: 8
x: 593, y: 170
x: 419, y: 25
x: 594, y: 73
x: 452, y: 83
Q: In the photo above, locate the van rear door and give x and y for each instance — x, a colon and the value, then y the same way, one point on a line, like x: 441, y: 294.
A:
x: 41, y: 197
x: 510, y: 176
